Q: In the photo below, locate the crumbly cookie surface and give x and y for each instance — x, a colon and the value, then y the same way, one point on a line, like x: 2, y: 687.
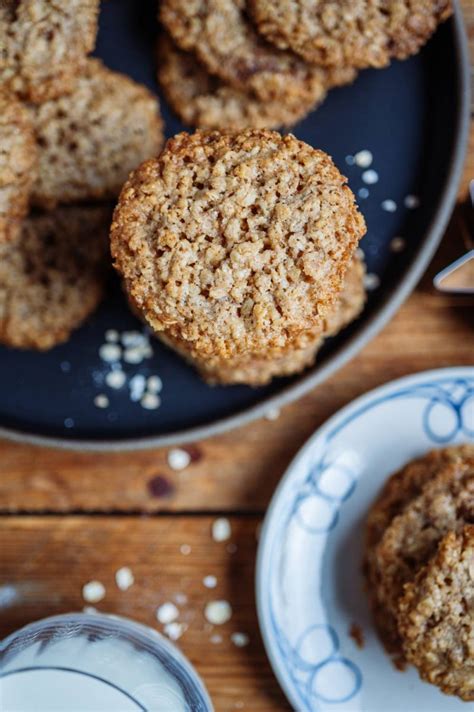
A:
x: 299, y: 355
x: 17, y: 165
x: 235, y: 242
x: 436, y: 616
x: 223, y: 39
x: 204, y: 101
x: 445, y: 503
x: 44, y: 44
x: 52, y: 276
x: 357, y: 33
x: 90, y: 140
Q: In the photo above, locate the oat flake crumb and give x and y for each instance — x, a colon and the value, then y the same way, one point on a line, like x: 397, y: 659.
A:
x: 124, y: 578
x: 389, y: 205
x: 221, y: 529
x: 167, y: 613
x: 101, y: 401
x: 110, y: 352
x: 150, y: 401
x: 178, y: 459
x: 240, y: 640
x: 272, y: 414
x: 370, y: 177
x: 93, y: 591
x: 174, y: 630
x: 363, y: 159
x: 218, y: 612
x: 115, y: 379
x: 209, y: 581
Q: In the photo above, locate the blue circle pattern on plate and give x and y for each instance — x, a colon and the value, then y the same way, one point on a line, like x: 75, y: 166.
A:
x: 449, y: 412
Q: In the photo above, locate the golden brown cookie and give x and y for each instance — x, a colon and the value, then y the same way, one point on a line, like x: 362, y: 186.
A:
x: 445, y: 503
x: 204, y: 101
x: 90, y: 140
x: 44, y: 44
x: 220, y: 35
x: 235, y: 243
x: 18, y: 163
x: 300, y: 354
x: 357, y: 33
x: 52, y: 276
x: 436, y: 616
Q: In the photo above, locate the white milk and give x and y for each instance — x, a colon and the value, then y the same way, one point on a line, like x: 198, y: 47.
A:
x: 95, y: 663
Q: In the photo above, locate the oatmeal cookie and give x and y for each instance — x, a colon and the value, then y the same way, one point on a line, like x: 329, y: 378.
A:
x: 90, y: 140
x: 17, y: 165
x: 436, y: 616
x: 205, y: 101
x: 357, y: 33
x: 44, y: 44
x: 235, y: 243
x: 299, y: 355
x: 52, y: 276
x: 223, y: 39
x: 444, y: 504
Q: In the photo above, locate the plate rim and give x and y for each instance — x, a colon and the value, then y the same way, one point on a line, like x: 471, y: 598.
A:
x: 382, y: 315
x: 374, y: 394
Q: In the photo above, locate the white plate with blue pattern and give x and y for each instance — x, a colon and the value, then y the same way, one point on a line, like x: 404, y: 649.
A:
x: 309, y: 583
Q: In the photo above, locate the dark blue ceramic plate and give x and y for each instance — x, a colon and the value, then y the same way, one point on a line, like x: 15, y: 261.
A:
x: 413, y: 117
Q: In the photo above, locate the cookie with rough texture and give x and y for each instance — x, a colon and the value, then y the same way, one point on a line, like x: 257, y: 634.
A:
x: 52, y: 276
x: 405, y: 485
x: 44, y: 44
x: 17, y: 165
x: 445, y: 503
x: 91, y: 139
x: 204, y: 101
x: 358, y: 33
x: 220, y: 35
x: 235, y: 242
x: 299, y: 355
x: 436, y: 616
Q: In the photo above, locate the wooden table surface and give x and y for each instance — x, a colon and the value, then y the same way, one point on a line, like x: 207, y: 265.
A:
x: 67, y: 518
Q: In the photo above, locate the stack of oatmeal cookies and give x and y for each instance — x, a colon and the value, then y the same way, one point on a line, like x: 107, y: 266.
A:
x: 268, y: 63
x: 239, y: 249
x: 70, y: 132
x: 419, y: 566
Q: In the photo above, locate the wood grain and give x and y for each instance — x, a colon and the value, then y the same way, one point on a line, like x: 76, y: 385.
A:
x: 48, y: 558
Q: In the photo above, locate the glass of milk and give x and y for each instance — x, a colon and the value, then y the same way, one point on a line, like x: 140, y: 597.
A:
x: 96, y: 663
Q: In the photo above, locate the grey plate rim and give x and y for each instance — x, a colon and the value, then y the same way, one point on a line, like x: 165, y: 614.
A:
x: 345, y: 352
